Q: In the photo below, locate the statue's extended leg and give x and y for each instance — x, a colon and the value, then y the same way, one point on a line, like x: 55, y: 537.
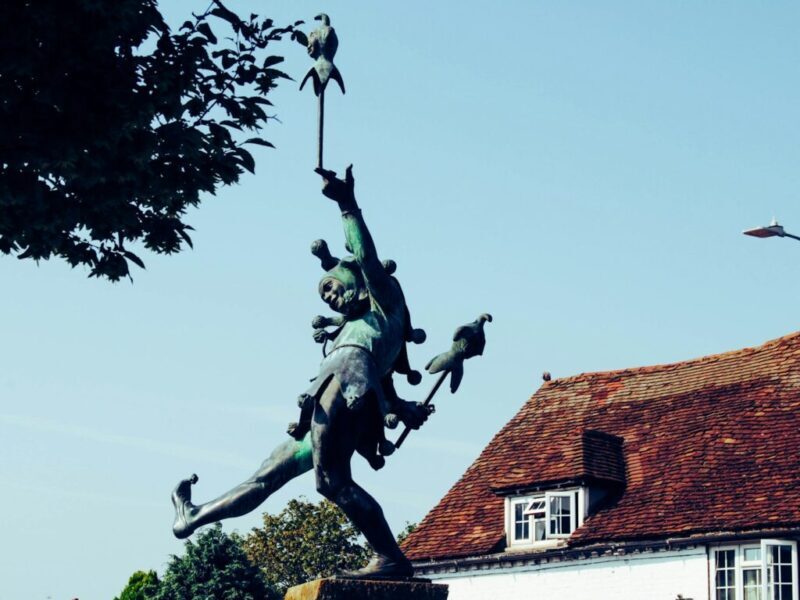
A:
x: 287, y: 461
x: 334, y: 433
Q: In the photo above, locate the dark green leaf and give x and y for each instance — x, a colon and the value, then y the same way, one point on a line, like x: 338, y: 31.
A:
x: 134, y: 259
x: 272, y: 60
x: 205, y: 29
x: 231, y: 17
x: 186, y: 237
x: 247, y: 160
x: 300, y: 37
x: 259, y: 141
x: 276, y: 74
x: 219, y: 131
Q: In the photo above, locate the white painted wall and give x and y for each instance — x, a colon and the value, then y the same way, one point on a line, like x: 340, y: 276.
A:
x: 646, y: 576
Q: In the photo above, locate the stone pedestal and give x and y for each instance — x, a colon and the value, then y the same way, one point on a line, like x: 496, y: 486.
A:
x: 354, y: 589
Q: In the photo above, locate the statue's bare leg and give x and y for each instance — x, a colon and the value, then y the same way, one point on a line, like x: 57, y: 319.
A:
x: 287, y: 461
x: 334, y: 432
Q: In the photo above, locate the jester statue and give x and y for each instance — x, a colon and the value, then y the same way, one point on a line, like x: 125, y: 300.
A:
x: 350, y: 402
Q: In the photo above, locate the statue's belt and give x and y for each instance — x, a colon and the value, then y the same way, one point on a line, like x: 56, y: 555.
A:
x: 364, y: 348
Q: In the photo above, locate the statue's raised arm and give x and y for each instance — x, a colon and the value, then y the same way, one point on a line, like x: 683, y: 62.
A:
x: 357, y: 237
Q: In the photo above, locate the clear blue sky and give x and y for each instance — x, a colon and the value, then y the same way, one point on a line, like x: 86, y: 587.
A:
x: 581, y: 170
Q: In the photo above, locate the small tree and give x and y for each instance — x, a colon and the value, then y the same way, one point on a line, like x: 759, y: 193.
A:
x: 407, y: 531
x: 143, y: 585
x: 214, y: 567
x: 304, y: 541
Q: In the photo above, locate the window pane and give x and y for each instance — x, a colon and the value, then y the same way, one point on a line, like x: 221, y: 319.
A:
x: 560, y: 515
x: 752, y: 584
x: 752, y: 577
x: 724, y: 558
x: 521, y: 531
x: 521, y: 522
x: 536, y: 505
x: 785, y: 554
x: 752, y: 593
x: 538, y: 529
x: 785, y: 574
x: 565, y: 525
x: 752, y: 554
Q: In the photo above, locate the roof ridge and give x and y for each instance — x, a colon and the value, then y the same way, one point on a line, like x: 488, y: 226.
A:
x: 795, y: 336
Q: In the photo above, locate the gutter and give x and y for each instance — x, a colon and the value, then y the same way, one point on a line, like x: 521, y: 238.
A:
x: 510, y: 559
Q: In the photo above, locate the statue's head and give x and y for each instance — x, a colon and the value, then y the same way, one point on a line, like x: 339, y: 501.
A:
x: 342, y: 288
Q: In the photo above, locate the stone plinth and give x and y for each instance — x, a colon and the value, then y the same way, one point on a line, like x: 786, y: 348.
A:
x: 353, y: 589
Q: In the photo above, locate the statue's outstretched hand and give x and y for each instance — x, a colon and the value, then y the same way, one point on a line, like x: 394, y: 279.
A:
x: 413, y: 414
x: 336, y: 189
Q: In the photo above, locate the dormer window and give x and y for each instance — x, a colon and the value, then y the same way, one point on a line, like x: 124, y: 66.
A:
x: 543, y: 516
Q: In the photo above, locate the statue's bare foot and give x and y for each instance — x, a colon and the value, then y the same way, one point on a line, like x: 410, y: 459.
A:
x: 182, y: 501
x: 381, y: 567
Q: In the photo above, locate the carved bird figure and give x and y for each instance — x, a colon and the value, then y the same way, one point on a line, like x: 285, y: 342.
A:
x: 322, y: 46
x: 468, y: 341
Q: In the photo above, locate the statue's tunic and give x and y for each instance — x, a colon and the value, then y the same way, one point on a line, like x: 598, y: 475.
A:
x: 366, y: 348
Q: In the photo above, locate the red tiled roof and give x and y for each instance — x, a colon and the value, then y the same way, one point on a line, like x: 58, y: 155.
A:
x: 709, y: 445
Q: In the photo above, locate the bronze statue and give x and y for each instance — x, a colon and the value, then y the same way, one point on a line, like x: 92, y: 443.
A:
x: 348, y: 404
x: 352, y: 400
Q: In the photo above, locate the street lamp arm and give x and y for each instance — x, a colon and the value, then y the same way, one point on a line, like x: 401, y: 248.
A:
x: 794, y: 237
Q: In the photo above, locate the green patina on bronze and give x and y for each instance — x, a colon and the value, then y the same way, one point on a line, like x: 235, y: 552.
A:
x: 303, y: 455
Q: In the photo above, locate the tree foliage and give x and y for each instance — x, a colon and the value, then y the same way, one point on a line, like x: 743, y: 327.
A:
x: 214, y: 567
x: 304, y: 541
x: 407, y: 531
x: 143, y: 585
x: 113, y: 125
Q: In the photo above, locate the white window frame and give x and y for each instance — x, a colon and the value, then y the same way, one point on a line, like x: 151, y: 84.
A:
x: 511, y: 521
x: 577, y: 504
x: 573, y: 513
x: 532, y: 517
x: 740, y: 565
x: 752, y: 565
x: 737, y: 577
x: 765, y: 579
